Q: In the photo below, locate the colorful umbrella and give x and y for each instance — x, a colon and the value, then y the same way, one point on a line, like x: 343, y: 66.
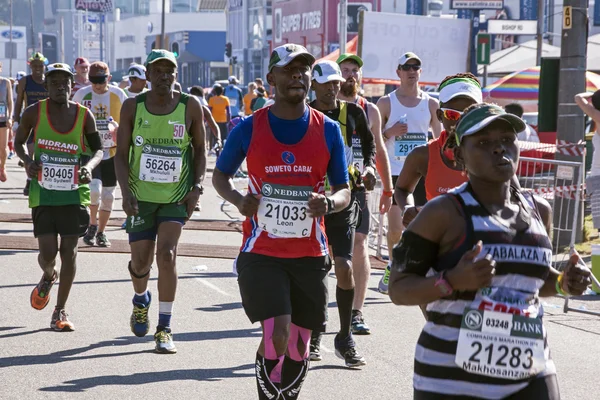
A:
x: 523, y: 85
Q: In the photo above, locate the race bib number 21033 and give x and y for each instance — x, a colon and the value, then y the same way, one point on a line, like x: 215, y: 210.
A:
x: 283, y: 211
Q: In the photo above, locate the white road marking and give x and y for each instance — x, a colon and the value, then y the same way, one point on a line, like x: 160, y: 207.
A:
x: 213, y: 287
x: 325, y: 349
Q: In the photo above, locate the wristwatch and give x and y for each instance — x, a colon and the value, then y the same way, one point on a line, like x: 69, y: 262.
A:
x: 443, y: 285
x: 199, y: 186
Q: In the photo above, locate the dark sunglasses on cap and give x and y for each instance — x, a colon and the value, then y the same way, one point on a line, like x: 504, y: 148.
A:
x: 451, y: 115
x: 98, y: 79
x: 408, y: 67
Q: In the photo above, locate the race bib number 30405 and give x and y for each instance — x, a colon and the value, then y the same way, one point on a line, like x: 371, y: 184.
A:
x: 58, y: 172
x: 405, y: 143
x: 500, y: 345
x: 283, y: 211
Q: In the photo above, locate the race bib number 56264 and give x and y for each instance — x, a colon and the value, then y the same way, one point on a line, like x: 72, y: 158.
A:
x: 500, y: 345
x: 160, y: 164
x: 283, y: 211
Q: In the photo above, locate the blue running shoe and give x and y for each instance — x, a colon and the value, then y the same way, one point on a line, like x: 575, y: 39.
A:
x: 359, y: 327
x: 164, y: 341
x: 139, y: 323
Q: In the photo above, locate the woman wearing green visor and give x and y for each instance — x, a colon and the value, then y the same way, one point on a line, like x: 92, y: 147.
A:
x: 480, y: 257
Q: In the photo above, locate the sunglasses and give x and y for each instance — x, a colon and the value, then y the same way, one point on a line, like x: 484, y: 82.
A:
x: 451, y: 115
x: 408, y: 67
x: 98, y: 79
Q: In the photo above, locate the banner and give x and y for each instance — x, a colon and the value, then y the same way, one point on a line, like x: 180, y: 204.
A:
x: 94, y: 5
x: 528, y: 10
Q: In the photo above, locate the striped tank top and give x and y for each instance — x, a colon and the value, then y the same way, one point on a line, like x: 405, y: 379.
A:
x: 523, y: 261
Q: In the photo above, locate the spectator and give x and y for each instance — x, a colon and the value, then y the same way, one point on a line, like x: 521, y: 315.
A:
x: 251, y: 95
x: 221, y: 110
x: 260, y: 100
x: 259, y: 83
x: 529, y: 134
x: 235, y: 96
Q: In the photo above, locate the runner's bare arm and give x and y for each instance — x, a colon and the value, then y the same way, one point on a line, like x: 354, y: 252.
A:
x: 93, y: 139
x: 436, y: 125
x: 20, y: 99
x: 9, y: 101
x: 384, y: 106
x: 124, y: 133
x: 214, y: 128
x: 584, y: 102
x: 414, y: 169
x: 28, y: 122
x: 196, y: 128
x: 382, y: 161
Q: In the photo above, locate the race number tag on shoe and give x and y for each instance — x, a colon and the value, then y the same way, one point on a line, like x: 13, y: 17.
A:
x: 160, y: 164
x: 283, y: 211
x: 59, y: 172
x: 500, y: 345
x: 405, y: 143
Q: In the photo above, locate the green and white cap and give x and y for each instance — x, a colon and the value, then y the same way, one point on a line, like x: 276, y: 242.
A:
x: 404, y: 58
x: 350, y: 57
x: 283, y: 55
x: 56, y: 67
x: 327, y: 71
x: 466, y: 87
x: 160, y: 54
x: 478, y: 119
x: 136, y: 71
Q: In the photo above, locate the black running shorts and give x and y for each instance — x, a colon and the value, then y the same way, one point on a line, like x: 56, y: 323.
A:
x: 105, y: 171
x: 271, y: 287
x: 364, y: 223
x: 70, y: 220
x: 340, y: 228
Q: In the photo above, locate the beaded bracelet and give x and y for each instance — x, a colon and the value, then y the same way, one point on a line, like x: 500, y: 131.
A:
x: 558, y: 285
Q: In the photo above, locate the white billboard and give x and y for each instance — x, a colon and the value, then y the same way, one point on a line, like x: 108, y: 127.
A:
x: 441, y: 44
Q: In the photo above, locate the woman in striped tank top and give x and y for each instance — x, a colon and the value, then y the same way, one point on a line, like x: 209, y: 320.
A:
x: 480, y: 257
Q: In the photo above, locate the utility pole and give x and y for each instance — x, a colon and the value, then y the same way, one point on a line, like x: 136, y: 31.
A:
x: 571, y: 124
x: 162, y: 26
x: 32, y: 31
x: 343, y: 25
x: 540, y: 31
x: 11, y: 42
x: 475, y: 15
x: 62, y: 39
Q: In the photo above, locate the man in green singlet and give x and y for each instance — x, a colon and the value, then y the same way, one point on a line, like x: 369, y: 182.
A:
x: 160, y: 165
x: 59, y: 192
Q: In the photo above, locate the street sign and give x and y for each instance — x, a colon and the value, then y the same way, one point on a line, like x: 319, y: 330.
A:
x: 477, y: 4
x: 510, y: 27
x: 567, y: 17
x: 484, y: 41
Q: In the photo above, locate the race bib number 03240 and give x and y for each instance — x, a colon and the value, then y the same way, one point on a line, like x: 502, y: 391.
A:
x: 500, y: 345
x: 283, y: 211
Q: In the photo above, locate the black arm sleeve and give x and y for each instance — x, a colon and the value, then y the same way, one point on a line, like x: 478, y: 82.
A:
x: 93, y: 140
x: 367, y: 140
x: 414, y: 254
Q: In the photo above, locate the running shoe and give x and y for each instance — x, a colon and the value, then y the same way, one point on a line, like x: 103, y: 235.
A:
x: 60, y: 321
x: 21, y: 164
x: 139, y: 323
x: 198, y: 207
x: 164, y: 341
x: 384, y: 281
x: 40, y: 295
x: 359, y: 327
x: 346, y: 350
x: 90, y: 235
x: 315, y: 346
x: 124, y: 225
x: 26, y: 189
x: 102, y: 240
x: 3, y: 175
x: 11, y: 155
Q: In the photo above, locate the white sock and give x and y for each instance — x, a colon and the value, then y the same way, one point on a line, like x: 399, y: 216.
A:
x: 141, y: 294
x: 165, y: 307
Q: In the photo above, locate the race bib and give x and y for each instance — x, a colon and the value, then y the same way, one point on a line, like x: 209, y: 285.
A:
x: 58, y: 172
x: 233, y: 102
x: 357, y: 157
x: 2, y: 111
x: 109, y: 139
x: 500, y: 345
x: 405, y: 143
x: 283, y: 211
x: 160, y: 164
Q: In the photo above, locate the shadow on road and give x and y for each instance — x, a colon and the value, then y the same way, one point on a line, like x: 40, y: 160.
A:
x: 78, y: 353
x: 10, y: 328
x: 13, y: 252
x: 214, y: 374
x: 221, y: 307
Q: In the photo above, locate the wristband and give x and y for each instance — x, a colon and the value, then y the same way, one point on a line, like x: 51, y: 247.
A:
x: 388, y: 193
x: 330, y: 205
x: 558, y: 285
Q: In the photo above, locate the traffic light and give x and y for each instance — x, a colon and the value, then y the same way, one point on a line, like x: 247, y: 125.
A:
x: 175, y: 49
x: 49, y: 46
x: 228, y: 49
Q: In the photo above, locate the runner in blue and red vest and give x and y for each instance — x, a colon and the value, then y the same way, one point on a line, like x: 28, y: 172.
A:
x: 284, y: 257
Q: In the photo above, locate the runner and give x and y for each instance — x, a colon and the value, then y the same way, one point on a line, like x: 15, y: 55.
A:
x: 82, y: 77
x: 351, y: 67
x: 407, y: 114
x: 208, y: 118
x: 235, y: 96
x: 105, y: 102
x: 340, y: 227
x: 442, y: 252
x: 160, y: 165
x: 457, y: 92
x: 6, y: 109
x: 260, y: 100
x: 248, y: 97
x: 31, y: 89
x: 137, y: 80
x: 221, y: 110
x: 59, y: 191
x: 283, y: 261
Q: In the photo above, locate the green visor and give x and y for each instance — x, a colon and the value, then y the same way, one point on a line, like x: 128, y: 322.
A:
x: 478, y: 119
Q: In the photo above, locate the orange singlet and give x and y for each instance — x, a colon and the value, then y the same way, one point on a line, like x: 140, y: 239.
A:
x: 440, y: 178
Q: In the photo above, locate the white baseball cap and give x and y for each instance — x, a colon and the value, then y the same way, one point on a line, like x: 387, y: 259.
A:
x: 465, y: 87
x: 137, y: 71
x: 327, y: 71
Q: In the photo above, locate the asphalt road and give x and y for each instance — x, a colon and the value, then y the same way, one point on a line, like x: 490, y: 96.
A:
x: 216, y: 342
